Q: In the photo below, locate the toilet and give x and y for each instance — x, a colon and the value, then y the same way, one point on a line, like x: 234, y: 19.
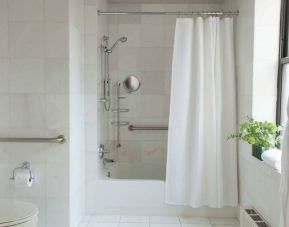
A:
x: 17, y: 214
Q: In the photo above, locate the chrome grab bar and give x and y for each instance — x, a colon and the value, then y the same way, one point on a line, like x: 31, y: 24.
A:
x: 133, y: 127
x: 119, y: 123
x: 177, y: 13
x: 120, y: 110
x: 59, y: 139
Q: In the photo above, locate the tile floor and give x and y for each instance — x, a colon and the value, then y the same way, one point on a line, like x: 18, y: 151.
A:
x: 156, y: 221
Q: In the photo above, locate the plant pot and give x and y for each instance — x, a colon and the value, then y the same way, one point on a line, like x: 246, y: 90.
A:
x: 257, y: 151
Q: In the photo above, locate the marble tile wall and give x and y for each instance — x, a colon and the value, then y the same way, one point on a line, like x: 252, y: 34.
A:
x: 76, y: 113
x: 256, y: 76
x: 148, y: 55
x: 40, y: 67
x: 95, y: 28
x: 34, y: 77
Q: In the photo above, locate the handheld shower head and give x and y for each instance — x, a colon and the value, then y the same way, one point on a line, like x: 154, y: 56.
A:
x: 122, y: 39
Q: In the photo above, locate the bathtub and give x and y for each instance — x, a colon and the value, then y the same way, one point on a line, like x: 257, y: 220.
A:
x: 140, y: 171
x: 142, y: 196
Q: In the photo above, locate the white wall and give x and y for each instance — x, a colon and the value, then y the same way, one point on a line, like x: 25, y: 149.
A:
x: 39, y: 70
x: 34, y: 102
x: 257, y: 44
x: 95, y: 129
x: 76, y: 109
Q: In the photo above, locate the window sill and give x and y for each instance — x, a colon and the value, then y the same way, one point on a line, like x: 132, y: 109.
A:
x: 266, y: 169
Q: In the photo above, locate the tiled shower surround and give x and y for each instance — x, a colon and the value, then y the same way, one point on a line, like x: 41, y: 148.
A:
x: 147, y: 54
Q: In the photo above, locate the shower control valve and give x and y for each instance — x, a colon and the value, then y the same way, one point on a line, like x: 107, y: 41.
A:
x: 102, y: 151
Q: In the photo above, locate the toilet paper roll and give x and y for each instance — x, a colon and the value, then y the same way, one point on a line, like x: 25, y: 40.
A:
x: 23, y: 178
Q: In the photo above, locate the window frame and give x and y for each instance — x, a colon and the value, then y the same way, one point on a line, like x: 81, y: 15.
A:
x: 283, y: 55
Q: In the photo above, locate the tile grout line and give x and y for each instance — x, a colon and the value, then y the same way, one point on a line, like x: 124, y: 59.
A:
x: 179, y: 221
x: 180, y: 224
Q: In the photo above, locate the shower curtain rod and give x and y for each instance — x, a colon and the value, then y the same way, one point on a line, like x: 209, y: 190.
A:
x: 176, y: 13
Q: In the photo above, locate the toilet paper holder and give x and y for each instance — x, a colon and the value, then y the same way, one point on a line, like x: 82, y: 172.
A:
x: 24, y: 166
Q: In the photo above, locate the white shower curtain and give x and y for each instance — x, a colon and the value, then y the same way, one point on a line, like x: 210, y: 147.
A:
x: 202, y: 163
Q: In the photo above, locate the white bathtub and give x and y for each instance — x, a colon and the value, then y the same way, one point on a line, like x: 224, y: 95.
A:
x: 140, y: 171
x: 138, y: 197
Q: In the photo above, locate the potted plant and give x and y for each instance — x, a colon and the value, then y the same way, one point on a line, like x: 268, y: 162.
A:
x: 262, y: 135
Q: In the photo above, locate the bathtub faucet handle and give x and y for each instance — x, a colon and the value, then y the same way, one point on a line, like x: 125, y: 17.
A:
x: 102, y: 151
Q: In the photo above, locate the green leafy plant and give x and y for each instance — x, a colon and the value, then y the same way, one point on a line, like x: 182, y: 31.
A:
x: 262, y: 134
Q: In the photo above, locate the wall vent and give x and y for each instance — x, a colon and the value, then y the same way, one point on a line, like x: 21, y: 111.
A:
x: 249, y: 217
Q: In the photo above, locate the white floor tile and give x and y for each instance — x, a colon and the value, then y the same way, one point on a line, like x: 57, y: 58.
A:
x: 164, y: 220
x: 96, y: 224
x: 156, y: 221
x: 226, y: 225
x: 197, y: 225
x: 134, y: 225
x: 224, y: 221
x: 194, y: 220
x: 105, y: 218
x: 134, y: 219
x: 165, y: 225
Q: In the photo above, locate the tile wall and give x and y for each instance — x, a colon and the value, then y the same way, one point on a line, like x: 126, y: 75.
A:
x: 257, y: 74
x: 40, y: 96
x: 95, y: 28
x: 76, y: 113
x: 147, y: 54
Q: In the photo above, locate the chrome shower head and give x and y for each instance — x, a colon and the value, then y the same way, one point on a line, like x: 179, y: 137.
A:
x: 122, y: 39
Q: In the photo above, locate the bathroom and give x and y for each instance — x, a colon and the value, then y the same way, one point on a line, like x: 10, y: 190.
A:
x: 101, y: 124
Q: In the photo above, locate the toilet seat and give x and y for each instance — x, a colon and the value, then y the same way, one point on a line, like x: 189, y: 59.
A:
x: 15, y: 213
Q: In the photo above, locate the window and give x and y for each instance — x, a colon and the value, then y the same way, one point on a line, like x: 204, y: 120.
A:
x: 283, y: 72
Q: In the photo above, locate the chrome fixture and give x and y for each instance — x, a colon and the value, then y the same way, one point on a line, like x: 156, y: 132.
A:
x: 131, y: 83
x: 24, y: 166
x: 119, y: 110
x: 108, y: 160
x: 106, y: 51
x: 176, y: 13
x: 59, y: 139
x: 119, y: 123
x: 134, y: 128
x: 102, y: 151
x: 109, y: 50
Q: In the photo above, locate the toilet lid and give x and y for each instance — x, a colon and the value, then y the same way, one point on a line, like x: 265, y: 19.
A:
x: 15, y: 211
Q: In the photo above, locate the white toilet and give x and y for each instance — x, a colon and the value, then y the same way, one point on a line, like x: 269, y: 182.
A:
x: 17, y: 214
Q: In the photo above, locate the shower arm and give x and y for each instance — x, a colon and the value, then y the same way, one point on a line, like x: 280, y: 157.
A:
x: 109, y: 50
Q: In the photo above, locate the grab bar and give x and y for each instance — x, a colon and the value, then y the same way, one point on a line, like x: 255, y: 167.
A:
x: 133, y: 128
x: 119, y: 123
x: 59, y: 139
